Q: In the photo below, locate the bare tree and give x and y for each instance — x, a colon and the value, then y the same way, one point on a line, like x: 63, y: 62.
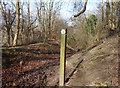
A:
x: 39, y: 13
x: 46, y: 16
x: 28, y: 25
x: 9, y: 18
x: 113, y: 15
x: 17, y: 23
x: 44, y: 25
x: 107, y: 12
x: 119, y: 15
x: 102, y: 11
x: 22, y: 24
x: 29, y: 30
x: 50, y: 15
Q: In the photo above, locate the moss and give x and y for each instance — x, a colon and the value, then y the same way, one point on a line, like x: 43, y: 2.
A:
x: 102, y: 52
x: 97, y: 84
x: 73, y: 64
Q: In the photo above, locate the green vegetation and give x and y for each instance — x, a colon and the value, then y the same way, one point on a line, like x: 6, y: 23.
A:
x: 73, y: 64
x: 90, y: 24
x: 101, y: 52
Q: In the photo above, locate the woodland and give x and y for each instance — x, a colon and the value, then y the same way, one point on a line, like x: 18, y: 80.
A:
x: 30, y: 33
x: 19, y: 26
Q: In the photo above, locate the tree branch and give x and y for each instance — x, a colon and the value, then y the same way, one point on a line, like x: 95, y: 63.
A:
x: 13, y: 4
x: 34, y: 27
x: 33, y: 21
x: 82, y: 10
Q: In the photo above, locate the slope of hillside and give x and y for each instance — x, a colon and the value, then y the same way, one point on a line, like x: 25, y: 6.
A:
x: 99, y: 66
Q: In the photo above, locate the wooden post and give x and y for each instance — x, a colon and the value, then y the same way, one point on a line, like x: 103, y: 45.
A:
x: 62, y: 57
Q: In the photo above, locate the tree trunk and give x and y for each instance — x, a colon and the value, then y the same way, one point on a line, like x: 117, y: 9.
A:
x: 119, y: 16
x: 22, y: 28
x: 8, y: 34
x: 17, y: 23
x: 102, y: 11
x: 28, y: 27
x: 44, y: 26
x: 39, y: 11
x: 113, y: 14
x: 107, y: 12
x: 50, y: 16
x: 6, y: 22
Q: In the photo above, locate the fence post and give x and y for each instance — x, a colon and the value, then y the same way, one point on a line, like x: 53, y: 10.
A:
x: 62, y: 57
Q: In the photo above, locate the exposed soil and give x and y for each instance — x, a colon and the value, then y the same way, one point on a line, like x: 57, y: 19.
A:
x: 99, y: 66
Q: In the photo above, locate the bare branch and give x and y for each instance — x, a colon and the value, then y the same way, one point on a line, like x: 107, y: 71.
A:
x: 82, y: 10
x: 34, y: 27
x: 13, y: 4
x: 34, y: 21
x: 12, y: 20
